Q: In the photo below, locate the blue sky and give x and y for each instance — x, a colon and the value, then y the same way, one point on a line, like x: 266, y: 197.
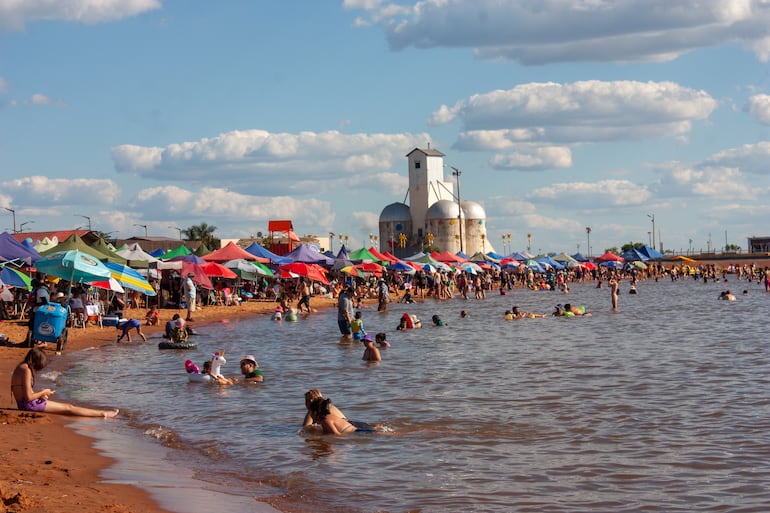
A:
x: 561, y: 114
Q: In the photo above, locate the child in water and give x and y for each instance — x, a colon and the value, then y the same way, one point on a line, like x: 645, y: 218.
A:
x: 357, y: 326
x: 381, y: 340
x: 437, y: 321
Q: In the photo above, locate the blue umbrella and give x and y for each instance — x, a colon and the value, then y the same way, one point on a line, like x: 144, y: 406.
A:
x: 74, y: 266
x: 13, y: 278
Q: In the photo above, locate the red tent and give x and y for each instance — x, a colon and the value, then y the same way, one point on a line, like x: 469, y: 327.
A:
x: 381, y: 256
x: 232, y: 252
x: 446, y: 256
x: 609, y: 257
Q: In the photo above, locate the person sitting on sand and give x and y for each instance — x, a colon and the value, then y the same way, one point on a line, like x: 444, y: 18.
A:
x: 152, y: 318
x: 126, y: 325
x: 22, y: 388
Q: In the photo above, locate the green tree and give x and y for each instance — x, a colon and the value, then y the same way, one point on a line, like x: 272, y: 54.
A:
x: 202, y: 232
x: 634, y: 245
x: 732, y: 248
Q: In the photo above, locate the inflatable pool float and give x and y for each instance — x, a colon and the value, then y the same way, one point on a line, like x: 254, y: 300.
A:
x: 167, y: 344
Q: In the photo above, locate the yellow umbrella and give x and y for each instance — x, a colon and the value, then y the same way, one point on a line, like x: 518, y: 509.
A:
x: 683, y: 258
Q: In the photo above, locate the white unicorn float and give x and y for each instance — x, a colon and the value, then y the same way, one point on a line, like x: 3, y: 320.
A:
x: 209, y: 375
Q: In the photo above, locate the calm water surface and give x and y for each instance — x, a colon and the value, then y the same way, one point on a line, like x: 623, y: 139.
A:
x: 662, y: 406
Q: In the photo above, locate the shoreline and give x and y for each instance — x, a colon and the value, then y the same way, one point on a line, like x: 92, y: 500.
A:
x: 47, y: 459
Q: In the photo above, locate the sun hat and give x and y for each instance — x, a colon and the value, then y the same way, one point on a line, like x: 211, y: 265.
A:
x: 279, y: 308
x: 250, y: 358
x: 61, y: 294
x: 367, y: 338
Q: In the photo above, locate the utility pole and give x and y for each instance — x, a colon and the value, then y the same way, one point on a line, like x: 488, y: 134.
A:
x: 456, y: 173
x: 12, y: 211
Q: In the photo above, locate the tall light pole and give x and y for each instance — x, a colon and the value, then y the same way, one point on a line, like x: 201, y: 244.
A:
x: 180, y: 230
x: 12, y: 211
x: 529, y: 242
x: 456, y: 173
x: 649, y: 237
x: 331, y: 242
x: 143, y: 226
x: 652, y: 216
x: 21, y: 226
x: 87, y: 219
x: 588, y: 241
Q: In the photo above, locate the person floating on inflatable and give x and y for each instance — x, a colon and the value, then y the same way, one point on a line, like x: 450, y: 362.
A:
x: 408, y: 322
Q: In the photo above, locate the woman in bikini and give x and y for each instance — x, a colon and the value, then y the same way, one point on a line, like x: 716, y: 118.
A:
x: 23, y: 382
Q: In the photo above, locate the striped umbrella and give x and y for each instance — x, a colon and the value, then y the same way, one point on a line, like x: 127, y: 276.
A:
x: 130, y: 278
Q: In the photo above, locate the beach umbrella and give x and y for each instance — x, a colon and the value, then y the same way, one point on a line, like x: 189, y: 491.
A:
x: 310, y: 271
x: 402, y: 267
x: 73, y: 266
x: 130, y: 278
x: 353, y: 271
x: 286, y: 275
x: 246, y: 269
x: 217, y: 270
x: 111, y: 284
x: 13, y: 278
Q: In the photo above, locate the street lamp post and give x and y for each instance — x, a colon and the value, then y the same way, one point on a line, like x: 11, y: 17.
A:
x: 21, y: 226
x: 87, y: 218
x: 12, y: 211
x: 652, y: 216
x: 331, y: 241
x: 529, y: 242
x: 456, y: 173
x: 180, y: 230
x: 143, y: 226
x: 649, y: 237
x: 588, y: 241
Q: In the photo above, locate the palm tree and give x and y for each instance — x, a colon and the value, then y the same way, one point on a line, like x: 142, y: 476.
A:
x: 202, y: 232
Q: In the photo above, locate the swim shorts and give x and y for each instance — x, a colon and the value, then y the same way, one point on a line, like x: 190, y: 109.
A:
x: 34, y: 405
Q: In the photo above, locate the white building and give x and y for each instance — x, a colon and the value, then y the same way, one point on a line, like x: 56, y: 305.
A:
x: 433, y: 216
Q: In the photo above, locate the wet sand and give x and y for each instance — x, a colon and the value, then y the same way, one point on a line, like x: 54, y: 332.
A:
x: 47, y: 466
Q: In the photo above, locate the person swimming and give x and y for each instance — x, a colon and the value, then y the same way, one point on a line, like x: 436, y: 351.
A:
x: 437, y: 321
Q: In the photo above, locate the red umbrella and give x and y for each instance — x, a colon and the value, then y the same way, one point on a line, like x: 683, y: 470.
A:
x: 200, y: 277
x: 216, y: 270
x: 310, y: 271
x: 370, y: 267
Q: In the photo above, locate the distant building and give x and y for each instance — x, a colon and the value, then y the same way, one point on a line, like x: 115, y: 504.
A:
x: 433, y: 215
x: 759, y: 244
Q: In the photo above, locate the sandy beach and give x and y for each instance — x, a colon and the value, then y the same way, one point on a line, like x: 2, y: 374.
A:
x: 44, y: 463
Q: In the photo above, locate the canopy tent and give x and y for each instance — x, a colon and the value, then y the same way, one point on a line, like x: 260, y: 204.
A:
x: 363, y: 255
x: 448, y: 257
x: 201, y: 250
x: 195, y: 259
x: 608, y: 257
x: 305, y: 254
x: 11, y: 249
x: 565, y: 260
x: 550, y: 262
x: 650, y: 252
x: 633, y: 255
x: 579, y: 257
x: 260, y: 251
x: 343, y: 254
x: 135, y: 256
x: 481, y: 257
x: 534, y: 265
x: 495, y: 256
x: 382, y: 257
x: 105, y: 249
x: 45, y: 244
x: 158, y: 252
x: 521, y: 256
x: 75, y: 243
x: 232, y: 252
x: 180, y: 250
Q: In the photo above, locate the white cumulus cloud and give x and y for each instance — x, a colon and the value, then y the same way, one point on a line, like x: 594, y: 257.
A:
x: 15, y: 14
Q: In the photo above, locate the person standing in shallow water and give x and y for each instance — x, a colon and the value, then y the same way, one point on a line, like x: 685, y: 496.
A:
x: 614, y: 287
x: 345, y: 313
x: 22, y: 388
